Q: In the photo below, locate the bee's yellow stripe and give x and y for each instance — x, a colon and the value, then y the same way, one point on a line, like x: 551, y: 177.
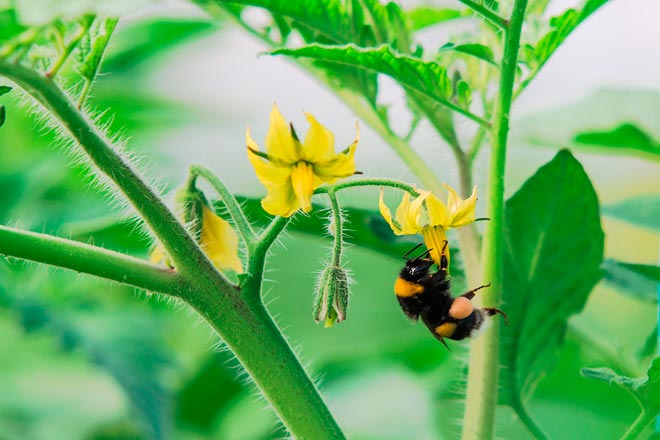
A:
x: 445, y: 329
x: 406, y: 289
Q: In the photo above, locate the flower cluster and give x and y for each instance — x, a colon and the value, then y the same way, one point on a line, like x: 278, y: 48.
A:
x: 291, y: 170
x: 429, y: 216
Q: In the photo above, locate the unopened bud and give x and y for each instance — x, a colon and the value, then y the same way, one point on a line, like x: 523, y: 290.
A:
x: 332, y: 296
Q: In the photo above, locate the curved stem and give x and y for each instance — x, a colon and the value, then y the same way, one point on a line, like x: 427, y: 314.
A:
x: 368, y: 182
x: 188, y: 258
x: 486, y: 13
x: 529, y: 423
x: 484, y: 354
x: 233, y: 207
x: 93, y: 260
x: 639, y: 425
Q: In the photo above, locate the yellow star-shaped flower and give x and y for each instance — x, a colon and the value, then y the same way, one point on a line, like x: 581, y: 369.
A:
x: 429, y: 216
x: 291, y: 170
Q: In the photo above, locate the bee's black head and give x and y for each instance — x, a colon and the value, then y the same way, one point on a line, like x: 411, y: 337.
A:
x: 416, y: 269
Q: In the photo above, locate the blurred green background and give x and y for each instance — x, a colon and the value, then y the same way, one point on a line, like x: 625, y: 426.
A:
x: 82, y: 358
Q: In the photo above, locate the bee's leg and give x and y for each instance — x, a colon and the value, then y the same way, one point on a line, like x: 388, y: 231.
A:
x: 491, y: 311
x: 470, y: 294
x: 444, y: 263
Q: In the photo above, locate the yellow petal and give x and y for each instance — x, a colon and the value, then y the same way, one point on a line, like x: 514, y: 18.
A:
x: 302, y: 181
x: 462, y: 211
x: 268, y: 173
x: 437, y: 211
x: 319, y: 144
x: 220, y: 242
x: 408, y: 214
x: 434, y: 240
x: 281, y: 200
x: 340, y: 166
x: 279, y: 141
x: 159, y: 255
x: 387, y: 215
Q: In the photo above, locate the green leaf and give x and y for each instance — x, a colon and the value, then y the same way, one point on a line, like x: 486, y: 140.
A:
x: 427, y: 78
x: 4, y: 90
x: 625, y: 136
x: 554, y: 249
x: 325, y: 17
x: 424, y: 16
x: 561, y: 27
x: 480, y: 51
x: 97, y: 45
x: 641, y: 211
x: 140, y: 42
x: 3, y: 115
x: 635, y: 280
x: 645, y: 389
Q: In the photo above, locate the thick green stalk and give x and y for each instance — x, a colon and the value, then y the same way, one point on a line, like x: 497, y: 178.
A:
x: 483, y: 373
x: 270, y: 361
x: 93, y: 260
x: 188, y: 258
x: 244, y: 326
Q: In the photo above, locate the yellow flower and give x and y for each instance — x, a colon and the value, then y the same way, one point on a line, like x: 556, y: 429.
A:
x: 214, y: 234
x: 432, y: 218
x: 291, y: 170
x: 220, y: 241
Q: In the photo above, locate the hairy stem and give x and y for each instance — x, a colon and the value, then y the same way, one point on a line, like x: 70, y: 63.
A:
x: 484, y: 354
x: 184, y: 251
x: 368, y: 182
x: 339, y: 229
x: 86, y: 258
x: 486, y: 13
x: 232, y: 205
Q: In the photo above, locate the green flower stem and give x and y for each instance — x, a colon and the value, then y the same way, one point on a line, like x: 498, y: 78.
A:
x: 245, y: 327
x: 486, y: 13
x: 233, y: 207
x: 527, y: 420
x: 87, y: 23
x: 258, y: 250
x: 484, y: 354
x: 93, y: 260
x: 636, y: 430
x: 469, y: 239
x: 368, y: 182
x: 339, y: 228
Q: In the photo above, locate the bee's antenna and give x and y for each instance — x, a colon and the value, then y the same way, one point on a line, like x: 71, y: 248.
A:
x: 405, y: 256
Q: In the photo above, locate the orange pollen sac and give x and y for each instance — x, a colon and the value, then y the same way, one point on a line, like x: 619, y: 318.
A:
x: 302, y: 180
x: 461, y: 308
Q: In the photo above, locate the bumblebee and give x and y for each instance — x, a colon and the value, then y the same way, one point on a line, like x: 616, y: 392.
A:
x: 426, y: 294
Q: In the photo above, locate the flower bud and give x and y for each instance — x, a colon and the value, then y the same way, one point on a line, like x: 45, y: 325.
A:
x: 332, y: 296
